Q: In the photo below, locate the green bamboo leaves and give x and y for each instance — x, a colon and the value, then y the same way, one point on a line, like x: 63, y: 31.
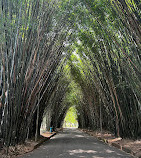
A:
x: 57, y: 54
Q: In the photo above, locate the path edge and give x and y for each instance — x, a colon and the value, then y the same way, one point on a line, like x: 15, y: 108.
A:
x: 114, y: 144
x: 39, y: 143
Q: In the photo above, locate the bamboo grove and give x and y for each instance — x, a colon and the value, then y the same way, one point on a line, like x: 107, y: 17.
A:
x: 58, y: 54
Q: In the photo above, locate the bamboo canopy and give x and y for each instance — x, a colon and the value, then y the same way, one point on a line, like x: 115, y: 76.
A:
x: 55, y: 54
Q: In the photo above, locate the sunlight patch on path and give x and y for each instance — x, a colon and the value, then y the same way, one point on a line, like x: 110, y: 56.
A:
x: 80, y: 151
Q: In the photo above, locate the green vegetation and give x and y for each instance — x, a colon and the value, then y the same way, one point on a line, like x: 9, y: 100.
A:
x: 56, y: 54
x: 71, y: 118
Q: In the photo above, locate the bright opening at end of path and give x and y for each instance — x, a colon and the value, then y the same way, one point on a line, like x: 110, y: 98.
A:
x: 70, y: 120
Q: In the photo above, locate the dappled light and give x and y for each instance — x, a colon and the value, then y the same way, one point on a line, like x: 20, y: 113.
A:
x: 80, y: 151
x: 80, y: 136
x: 72, y: 143
x: 92, y: 153
x: 69, y: 63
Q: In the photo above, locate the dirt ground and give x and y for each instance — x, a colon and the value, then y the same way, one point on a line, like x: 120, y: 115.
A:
x: 128, y: 145
x: 16, y: 151
x: 21, y: 149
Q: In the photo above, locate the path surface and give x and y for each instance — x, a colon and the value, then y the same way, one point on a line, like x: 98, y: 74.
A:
x: 72, y: 143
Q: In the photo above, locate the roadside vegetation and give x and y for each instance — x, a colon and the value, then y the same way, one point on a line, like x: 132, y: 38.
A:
x: 57, y: 54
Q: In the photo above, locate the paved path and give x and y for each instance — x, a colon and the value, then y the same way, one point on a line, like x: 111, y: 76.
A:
x: 72, y: 143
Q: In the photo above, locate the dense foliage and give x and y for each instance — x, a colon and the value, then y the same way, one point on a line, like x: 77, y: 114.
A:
x: 71, y: 118
x: 57, y: 54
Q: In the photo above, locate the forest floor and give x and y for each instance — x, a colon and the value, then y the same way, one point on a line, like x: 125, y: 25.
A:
x: 28, y: 146
x: 128, y: 145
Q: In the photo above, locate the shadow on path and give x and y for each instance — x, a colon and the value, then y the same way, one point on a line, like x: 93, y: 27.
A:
x: 72, y: 143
